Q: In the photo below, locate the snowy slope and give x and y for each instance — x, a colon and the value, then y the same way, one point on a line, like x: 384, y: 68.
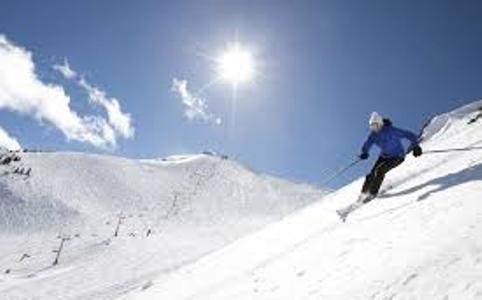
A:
x: 173, y: 211
x: 421, y: 240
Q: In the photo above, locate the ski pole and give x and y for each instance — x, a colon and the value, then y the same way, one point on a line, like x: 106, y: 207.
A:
x: 341, y: 171
x: 452, y: 150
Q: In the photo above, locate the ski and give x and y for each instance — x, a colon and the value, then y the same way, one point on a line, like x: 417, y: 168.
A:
x: 362, y: 200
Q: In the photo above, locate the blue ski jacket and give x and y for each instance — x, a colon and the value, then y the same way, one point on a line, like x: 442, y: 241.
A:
x: 389, y: 140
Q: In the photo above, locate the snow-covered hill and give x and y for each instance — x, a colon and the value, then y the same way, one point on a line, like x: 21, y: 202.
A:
x: 171, y: 211
x: 421, y: 240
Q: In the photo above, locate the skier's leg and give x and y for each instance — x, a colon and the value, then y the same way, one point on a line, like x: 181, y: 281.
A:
x: 367, y: 183
x: 380, y: 171
x: 371, y: 176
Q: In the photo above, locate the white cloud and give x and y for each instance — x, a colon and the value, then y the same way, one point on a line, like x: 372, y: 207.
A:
x: 22, y: 91
x: 121, y: 122
x: 7, y: 141
x: 194, y: 107
x: 65, y: 70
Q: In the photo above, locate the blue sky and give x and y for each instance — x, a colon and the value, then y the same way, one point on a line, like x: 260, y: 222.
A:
x: 323, y: 67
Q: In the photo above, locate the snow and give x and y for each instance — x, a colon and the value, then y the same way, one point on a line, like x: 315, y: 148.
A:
x: 189, y: 205
x: 421, y: 239
x: 218, y: 230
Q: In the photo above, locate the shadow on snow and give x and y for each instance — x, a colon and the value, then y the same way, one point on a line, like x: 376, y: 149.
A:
x: 473, y: 173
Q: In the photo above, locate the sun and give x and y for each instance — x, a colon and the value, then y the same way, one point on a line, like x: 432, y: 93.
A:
x: 236, y: 65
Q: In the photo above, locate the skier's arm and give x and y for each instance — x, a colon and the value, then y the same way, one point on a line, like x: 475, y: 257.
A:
x: 412, y: 137
x: 367, y: 145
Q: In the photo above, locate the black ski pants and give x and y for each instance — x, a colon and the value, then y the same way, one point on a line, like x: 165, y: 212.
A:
x: 374, y: 179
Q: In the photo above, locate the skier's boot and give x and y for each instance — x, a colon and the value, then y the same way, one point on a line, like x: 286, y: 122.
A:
x: 366, y: 197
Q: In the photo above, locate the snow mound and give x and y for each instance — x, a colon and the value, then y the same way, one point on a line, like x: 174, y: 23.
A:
x: 167, y: 212
x: 421, y: 239
x: 439, y: 125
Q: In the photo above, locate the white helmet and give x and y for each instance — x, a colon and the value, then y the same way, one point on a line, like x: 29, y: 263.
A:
x: 376, y: 121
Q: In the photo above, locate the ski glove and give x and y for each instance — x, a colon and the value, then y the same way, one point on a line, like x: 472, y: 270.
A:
x: 417, y: 151
x: 363, y: 156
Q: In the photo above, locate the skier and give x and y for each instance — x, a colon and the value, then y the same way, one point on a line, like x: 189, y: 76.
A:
x: 388, y: 139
